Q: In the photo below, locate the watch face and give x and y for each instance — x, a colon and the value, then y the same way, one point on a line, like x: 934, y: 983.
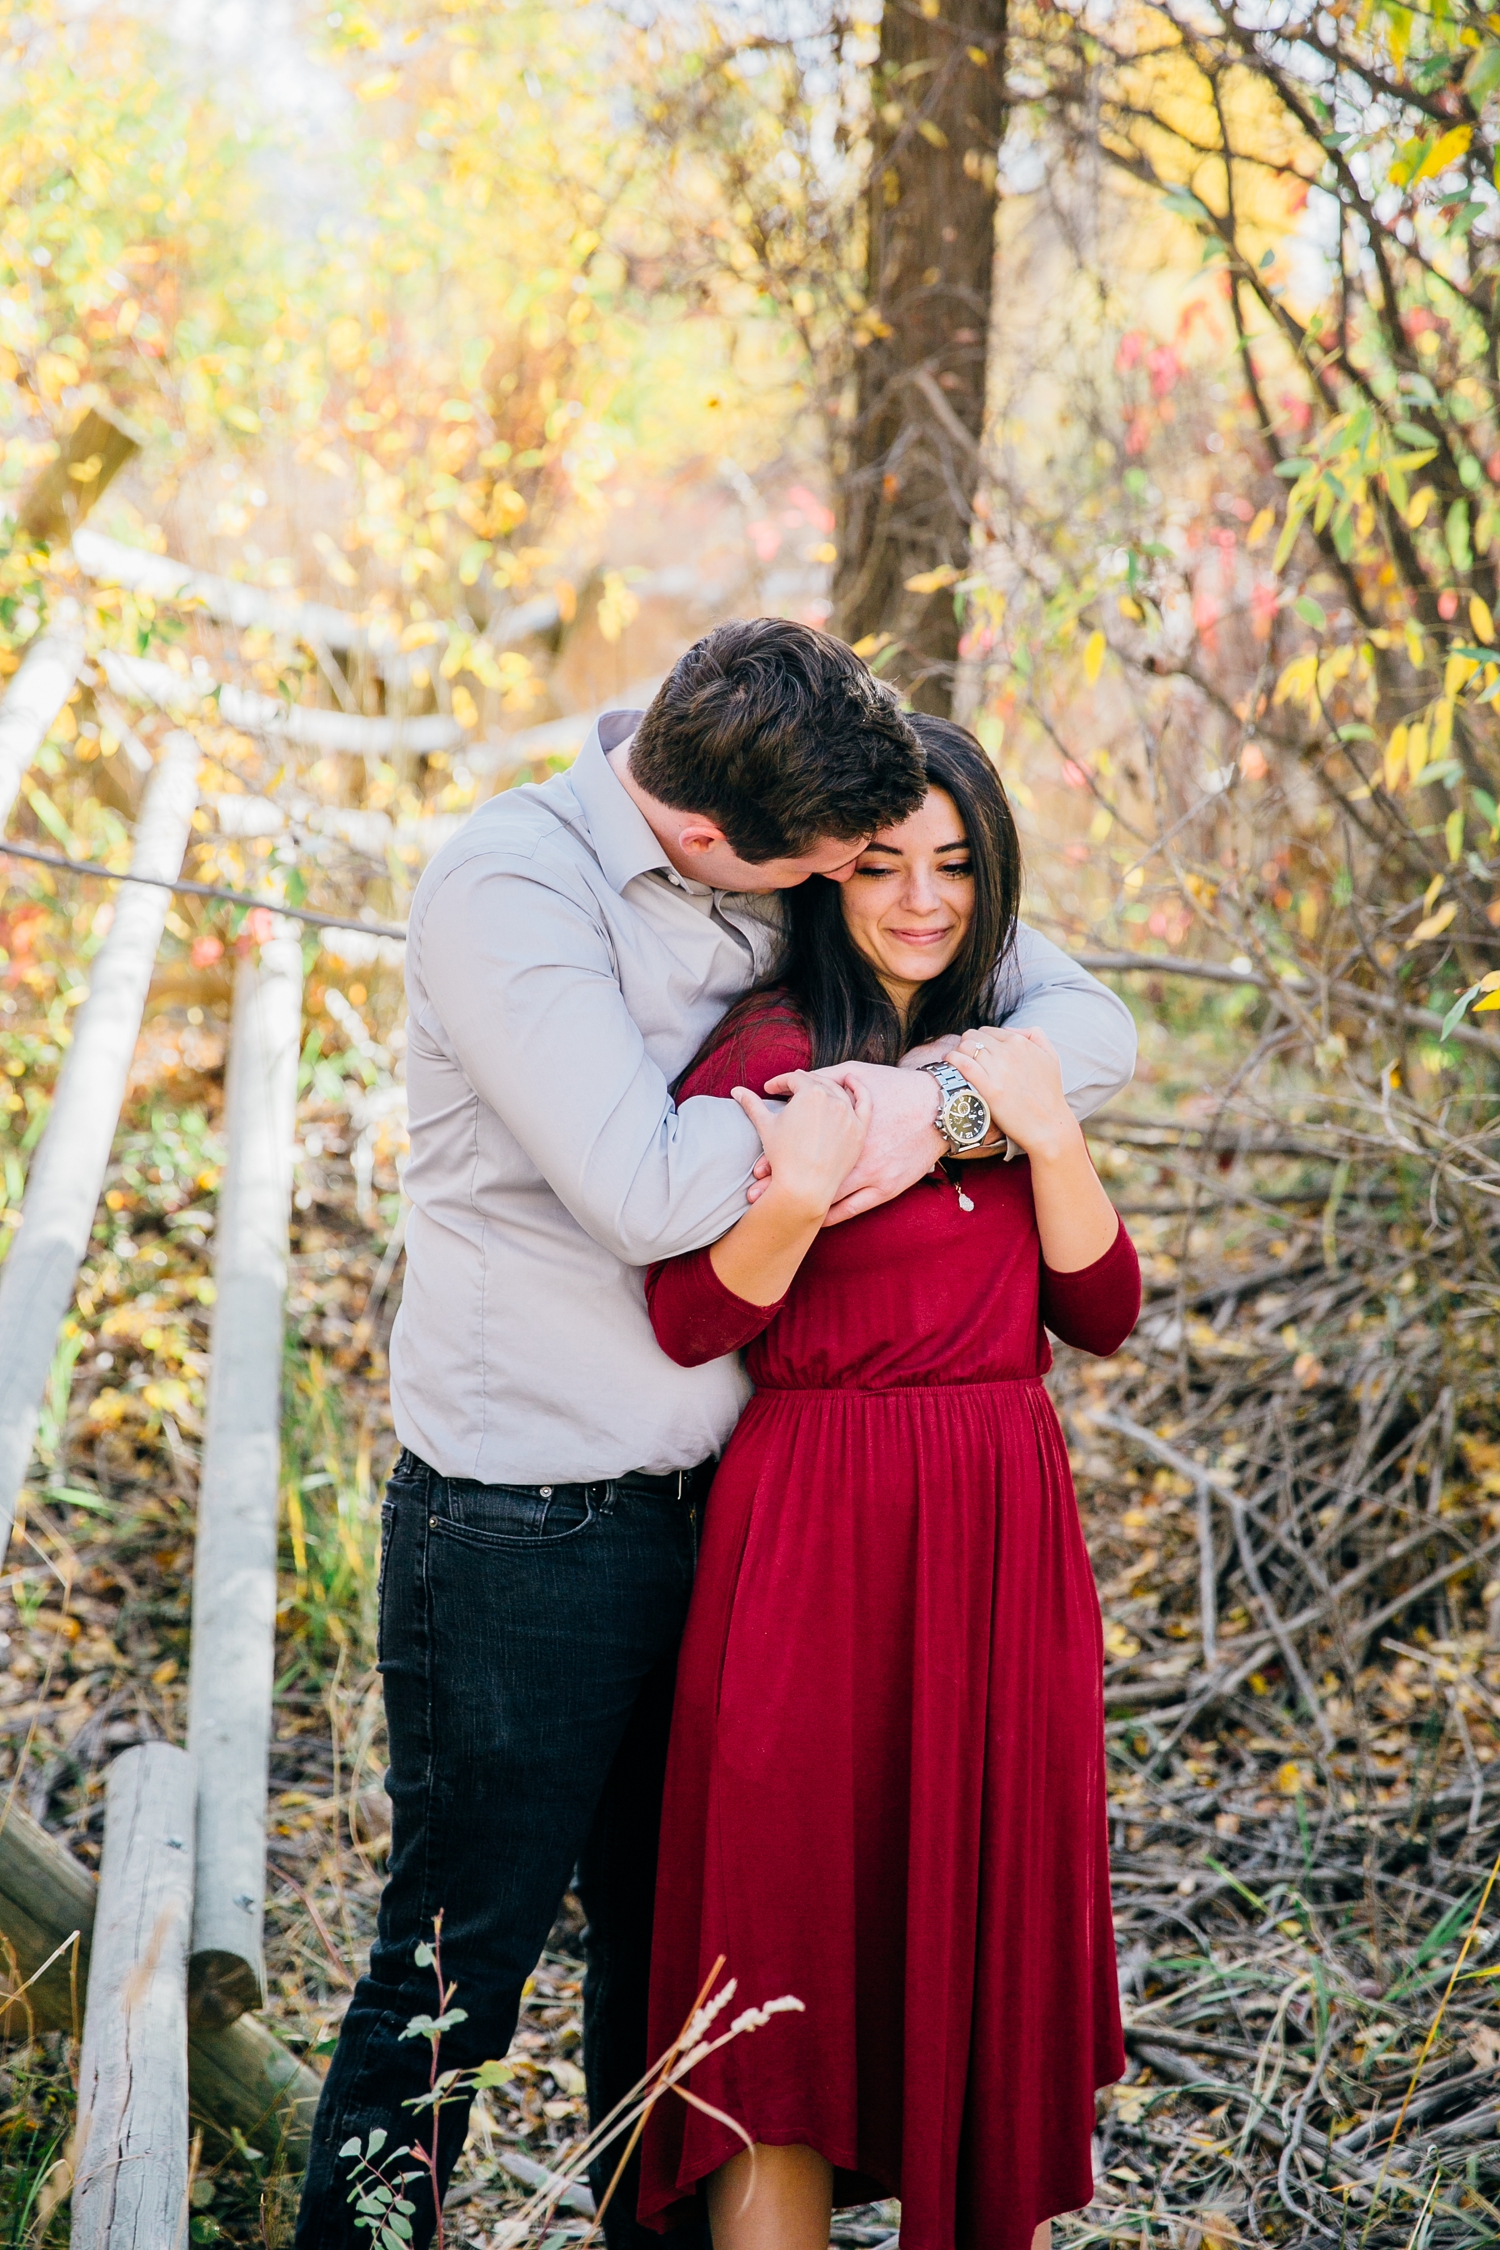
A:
x: 967, y: 1118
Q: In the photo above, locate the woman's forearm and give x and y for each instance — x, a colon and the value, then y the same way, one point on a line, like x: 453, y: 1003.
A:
x: 759, y: 1257
x: 1074, y: 1217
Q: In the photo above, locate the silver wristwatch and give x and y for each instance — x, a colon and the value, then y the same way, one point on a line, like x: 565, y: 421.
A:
x: 963, y: 1116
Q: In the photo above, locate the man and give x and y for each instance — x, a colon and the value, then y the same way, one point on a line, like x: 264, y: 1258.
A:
x: 568, y: 952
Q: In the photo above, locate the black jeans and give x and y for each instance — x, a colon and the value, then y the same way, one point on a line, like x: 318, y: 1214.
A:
x: 528, y: 1642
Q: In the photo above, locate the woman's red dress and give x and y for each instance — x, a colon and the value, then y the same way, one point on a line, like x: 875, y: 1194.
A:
x: 885, y: 1792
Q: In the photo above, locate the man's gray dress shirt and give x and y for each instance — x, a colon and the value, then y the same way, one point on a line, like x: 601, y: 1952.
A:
x: 559, y: 975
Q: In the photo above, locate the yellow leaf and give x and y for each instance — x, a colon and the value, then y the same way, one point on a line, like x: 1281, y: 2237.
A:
x: 1414, y: 650
x: 375, y: 89
x: 1130, y: 607
x: 465, y: 709
x: 1442, y: 731
x: 932, y: 134
x: 1457, y: 671
x: 1481, y: 620
x: 1260, y: 527
x: 932, y: 581
x: 1093, y: 657
x: 1434, y: 925
x: 1488, y: 1004
x: 1416, y: 514
x: 1416, y: 750
x: 1289, y: 1778
x: 1443, y: 152
x: 872, y: 644
x: 1395, y: 759
x: 1490, y: 982
x: 1300, y: 679
x: 1453, y: 834
x: 243, y: 418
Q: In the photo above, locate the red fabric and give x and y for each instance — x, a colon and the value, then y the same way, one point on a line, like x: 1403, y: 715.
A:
x: 885, y: 1791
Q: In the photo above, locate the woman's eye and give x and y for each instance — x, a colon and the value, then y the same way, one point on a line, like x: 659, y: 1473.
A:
x: 958, y: 867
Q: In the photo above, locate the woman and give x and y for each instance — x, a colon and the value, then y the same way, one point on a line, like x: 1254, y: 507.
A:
x: 886, y: 1783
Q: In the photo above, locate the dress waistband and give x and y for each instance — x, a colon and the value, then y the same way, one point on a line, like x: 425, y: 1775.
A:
x: 896, y: 1390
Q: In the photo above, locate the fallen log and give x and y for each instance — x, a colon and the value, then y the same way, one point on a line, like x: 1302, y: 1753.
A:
x: 32, y: 701
x: 62, y: 1192
x: 231, y: 1667
x: 240, y: 2080
x: 130, y: 2150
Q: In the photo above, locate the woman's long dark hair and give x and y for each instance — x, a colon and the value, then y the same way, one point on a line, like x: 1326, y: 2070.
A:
x: 826, y: 981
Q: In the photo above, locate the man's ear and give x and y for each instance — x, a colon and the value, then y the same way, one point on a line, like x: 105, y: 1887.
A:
x: 697, y: 837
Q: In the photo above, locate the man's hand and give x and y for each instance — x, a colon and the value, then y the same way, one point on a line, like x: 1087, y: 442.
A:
x: 902, y: 1142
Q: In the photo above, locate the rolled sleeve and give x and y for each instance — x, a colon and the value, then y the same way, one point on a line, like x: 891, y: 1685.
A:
x: 521, y: 984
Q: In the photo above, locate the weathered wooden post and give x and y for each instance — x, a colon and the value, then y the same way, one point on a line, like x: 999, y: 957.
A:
x: 62, y: 1193
x: 240, y: 2080
x: 232, y: 1663
x: 130, y: 2179
x: 32, y: 701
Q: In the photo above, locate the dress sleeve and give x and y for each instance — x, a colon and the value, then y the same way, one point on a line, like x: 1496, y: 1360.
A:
x: 1096, y: 1307
x: 694, y: 1316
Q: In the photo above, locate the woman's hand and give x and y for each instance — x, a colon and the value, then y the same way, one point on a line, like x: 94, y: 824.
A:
x: 1020, y: 1077
x: 812, y: 1141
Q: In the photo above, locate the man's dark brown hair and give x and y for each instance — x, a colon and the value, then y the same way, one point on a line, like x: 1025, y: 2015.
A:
x: 782, y: 737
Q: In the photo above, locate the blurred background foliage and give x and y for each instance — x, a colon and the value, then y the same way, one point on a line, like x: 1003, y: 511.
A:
x: 1120, y: 378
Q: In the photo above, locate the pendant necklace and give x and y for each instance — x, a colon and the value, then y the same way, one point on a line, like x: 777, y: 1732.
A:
x: 965, y: 1203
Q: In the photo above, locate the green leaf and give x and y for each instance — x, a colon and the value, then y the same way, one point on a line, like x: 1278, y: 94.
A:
x: 1311, y: 612
x: 493, y: 2074
x: 1292, y: 468
x: 351, y: 2146
x: 423, y: 1956
x: 1456, y: 531
x: 1483, y: 75
x: 433, y: 2027
x: 1185, y: 205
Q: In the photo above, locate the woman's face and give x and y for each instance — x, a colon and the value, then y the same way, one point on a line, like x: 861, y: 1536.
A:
x: 910, y: 900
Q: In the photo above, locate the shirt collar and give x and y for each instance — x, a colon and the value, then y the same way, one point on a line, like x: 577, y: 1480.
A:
x: 619, y: 832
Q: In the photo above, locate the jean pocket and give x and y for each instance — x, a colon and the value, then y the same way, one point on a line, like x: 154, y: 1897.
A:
x: 515, y: 1515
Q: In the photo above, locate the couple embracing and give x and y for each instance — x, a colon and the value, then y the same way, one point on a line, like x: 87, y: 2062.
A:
x: 731, y: 1566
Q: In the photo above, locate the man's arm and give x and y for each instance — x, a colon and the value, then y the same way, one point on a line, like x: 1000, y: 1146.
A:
x: 517, y: 985
x: 1038, y: 987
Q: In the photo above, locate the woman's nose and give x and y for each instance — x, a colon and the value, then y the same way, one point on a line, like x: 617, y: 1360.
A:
x: 921, y: 895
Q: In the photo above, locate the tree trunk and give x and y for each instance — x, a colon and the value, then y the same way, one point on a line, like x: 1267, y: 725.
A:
x: 910, y: 459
